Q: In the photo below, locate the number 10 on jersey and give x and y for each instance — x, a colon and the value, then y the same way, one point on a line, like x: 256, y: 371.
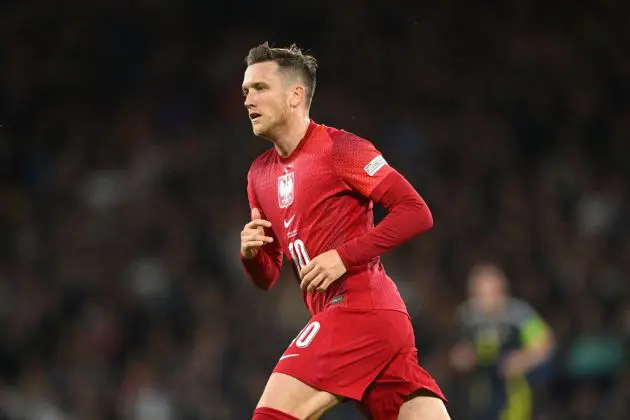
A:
x: 299, y: 254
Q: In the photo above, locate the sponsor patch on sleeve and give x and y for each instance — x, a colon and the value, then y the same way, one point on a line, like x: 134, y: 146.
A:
x: 375, y: 164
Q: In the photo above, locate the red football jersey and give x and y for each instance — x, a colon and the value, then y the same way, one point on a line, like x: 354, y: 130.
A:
x: 317, y: 199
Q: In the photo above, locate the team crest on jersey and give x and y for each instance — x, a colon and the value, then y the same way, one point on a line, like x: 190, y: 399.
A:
x: 285, y: 190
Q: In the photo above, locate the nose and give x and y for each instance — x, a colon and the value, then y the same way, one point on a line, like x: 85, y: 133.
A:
x: 248, y: 101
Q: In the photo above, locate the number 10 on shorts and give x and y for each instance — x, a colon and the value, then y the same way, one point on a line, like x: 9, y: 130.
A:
x: 299, y: 254
x: 307, y: 335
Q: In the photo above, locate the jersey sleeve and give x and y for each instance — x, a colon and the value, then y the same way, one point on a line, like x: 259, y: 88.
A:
x: 251, y: 194
x: 364, y: 170
x: 264, y: 269
x: 359, y: 163
x: 531, y: 325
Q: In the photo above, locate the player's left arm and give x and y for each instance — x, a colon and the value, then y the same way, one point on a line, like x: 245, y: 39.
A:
x: 537, y: 341
x: 362, y: 167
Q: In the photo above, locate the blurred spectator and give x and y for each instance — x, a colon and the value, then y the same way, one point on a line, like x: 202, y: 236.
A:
x: 503, y: 344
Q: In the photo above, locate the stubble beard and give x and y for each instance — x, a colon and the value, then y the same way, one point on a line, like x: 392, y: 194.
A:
x: 271, y: 131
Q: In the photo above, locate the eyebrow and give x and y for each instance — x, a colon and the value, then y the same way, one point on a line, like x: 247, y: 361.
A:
x: 254, y: 85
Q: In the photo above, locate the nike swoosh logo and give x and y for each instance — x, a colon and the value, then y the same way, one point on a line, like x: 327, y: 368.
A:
x: 287, y: 223
x: 286, y: 356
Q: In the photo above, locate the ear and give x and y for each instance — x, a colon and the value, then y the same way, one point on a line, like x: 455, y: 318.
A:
x: 298, y: 96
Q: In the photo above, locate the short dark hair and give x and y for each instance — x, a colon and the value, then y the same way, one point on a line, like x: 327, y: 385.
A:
x: 291, y: 59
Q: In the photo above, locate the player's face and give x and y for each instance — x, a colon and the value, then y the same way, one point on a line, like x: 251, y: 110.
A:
x: 487, y: 291
x: 266, y: 98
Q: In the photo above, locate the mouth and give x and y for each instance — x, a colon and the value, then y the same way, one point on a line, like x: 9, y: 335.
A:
x: 254, y: 116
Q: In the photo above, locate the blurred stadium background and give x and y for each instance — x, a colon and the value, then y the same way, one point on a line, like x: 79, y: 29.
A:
x: 124, y: 148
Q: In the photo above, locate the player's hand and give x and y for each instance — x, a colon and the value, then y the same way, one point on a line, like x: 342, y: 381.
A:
x: 253, y: 235
x: 463, y: 357
x: 322, y: 271
x: 515, y: 364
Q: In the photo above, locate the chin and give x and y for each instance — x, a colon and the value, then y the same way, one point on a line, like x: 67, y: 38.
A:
x: 261, y: 130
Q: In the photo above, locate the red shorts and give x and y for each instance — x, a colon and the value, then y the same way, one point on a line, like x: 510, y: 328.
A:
x: 368, y: 356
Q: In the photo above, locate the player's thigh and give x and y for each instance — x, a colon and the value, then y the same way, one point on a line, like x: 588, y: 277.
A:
x: 400, y: 381
x: 293, y: 397
x: 423, y: 406
x: 404, y: 391
x: 341, y: 351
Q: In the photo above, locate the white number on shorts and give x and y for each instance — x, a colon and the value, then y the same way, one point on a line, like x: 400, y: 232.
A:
x: 299, y: 253
x: 307, y: 335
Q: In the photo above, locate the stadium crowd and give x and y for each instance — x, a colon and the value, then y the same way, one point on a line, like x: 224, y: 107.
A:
x: 124, y: 148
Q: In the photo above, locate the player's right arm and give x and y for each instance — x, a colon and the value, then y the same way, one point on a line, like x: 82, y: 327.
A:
x: 260, y: 252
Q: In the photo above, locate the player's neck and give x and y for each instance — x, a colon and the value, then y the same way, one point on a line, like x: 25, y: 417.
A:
x: 290, y: 136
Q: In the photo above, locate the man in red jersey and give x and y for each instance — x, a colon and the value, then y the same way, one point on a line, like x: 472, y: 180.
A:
x: 311, y: 199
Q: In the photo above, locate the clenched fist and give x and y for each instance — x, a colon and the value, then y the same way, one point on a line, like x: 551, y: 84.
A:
x: 253, y: 235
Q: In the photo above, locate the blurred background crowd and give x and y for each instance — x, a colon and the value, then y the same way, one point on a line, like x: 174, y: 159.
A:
x: 124, y: 147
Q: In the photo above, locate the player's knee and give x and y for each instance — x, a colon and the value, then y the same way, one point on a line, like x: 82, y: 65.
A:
x: 294, y: 398
x: 423, y: 406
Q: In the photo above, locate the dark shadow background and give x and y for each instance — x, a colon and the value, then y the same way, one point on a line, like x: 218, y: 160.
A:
x: 124, y: 148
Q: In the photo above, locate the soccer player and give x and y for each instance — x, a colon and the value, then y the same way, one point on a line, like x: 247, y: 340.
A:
x: 503, y: 342
x: 311, y: 199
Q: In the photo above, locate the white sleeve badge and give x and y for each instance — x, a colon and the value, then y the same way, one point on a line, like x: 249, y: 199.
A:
x: 375, y: 164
